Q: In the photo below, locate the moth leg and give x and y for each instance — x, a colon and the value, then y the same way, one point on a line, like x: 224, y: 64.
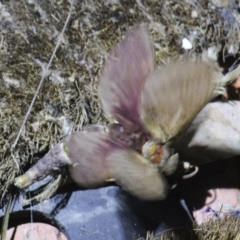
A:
x: 231, y: 76
x: 48, y: 191
x: 56, y: 158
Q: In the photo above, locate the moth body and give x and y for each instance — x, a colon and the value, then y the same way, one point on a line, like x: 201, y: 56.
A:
x: 153, y: 107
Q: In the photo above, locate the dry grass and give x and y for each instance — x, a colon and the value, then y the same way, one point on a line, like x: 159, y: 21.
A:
x: 215, y: 229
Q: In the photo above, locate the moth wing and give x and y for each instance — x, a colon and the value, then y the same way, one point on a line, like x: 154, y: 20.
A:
x: 135, y: 175
x: 123, y: 76
x: 174, y: 94
x: 85, y: 155
x: 88, y: 152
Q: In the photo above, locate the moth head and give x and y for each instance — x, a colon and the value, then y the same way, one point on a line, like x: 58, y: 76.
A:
x: 161, y: 156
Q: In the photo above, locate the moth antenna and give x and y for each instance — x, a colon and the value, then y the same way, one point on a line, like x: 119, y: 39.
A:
x: 186, y: 167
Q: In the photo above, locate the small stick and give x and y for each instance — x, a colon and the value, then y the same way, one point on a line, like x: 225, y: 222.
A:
x: 6, y: 217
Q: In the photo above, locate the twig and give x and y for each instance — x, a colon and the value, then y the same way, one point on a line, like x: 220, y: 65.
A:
x: 6, y: 217
x: 144, y: 10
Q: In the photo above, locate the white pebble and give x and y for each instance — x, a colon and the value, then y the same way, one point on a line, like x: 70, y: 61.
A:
x: 186, y: 44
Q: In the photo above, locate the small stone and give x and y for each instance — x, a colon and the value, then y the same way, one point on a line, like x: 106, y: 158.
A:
x: 186, y: 44
x: 194, y: 14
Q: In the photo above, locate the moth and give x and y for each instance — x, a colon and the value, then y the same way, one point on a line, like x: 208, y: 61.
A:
x: 152, y: 106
